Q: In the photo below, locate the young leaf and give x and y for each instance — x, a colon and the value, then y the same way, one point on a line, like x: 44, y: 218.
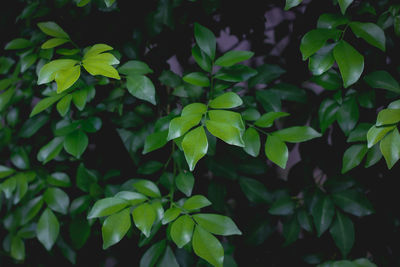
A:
x: 206, y: 246
x: 107, y: 206
x: 53, y: 42
x: 196, y: 202
x: 197, y: 78
x: 205, y: 39
x: 342, y: 231
x: 353, y: 156
x: 96, y: 50
x: 370, y: 32
x: 182, y: 230
x: 323, y: 213
x: 267, y: 120
x: 47, y: 229
x: 252, y: 143
x: 115, y: 227
x: 141, y: 87
x: 232, y: 57
x: 383, y: 80
x: 297, y: 134
x: 50, y: 150
x: 375, y: 134
x: 148, y: 188
x: 276, y: 151
x: 344, y: 4
x: 48, y: 71
x: 194, y: 108
x: 64, y: 104
x: 350, y: 62
x: 217, y: 224
x: 52, y: 29
x: 76, y: 143
x: 98, y: 67
x: 236, y: 73
x: 185, y: 182
x: 179, y: 126
x: 170, y: 215
x: 388, y: 116
x: 67, y: 77
x: 144, y: 217
x: 227, y: 100
x: 390, y: 148
x: 195, y: 146
x: 353, y: 202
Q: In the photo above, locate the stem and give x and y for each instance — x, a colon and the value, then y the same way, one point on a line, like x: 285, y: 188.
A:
x: 258, y: 129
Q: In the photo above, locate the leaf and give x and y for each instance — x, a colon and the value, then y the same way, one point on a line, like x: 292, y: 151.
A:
x: 96, y: 50
x: 197, y: 78
x: 150, y: 167
x: 364, y: 263
x: 229, y: 117
x: 350, y: 62
x: 323, y: 213
x: 370, y: 32
x: 388, y: 116
x: 134, y: 67
x: 5, y: 171
x: 151, y: 256
x: 196, y: 202
x: 17, y: 248
x: 195, y: 146
x: 226, y: 132
x: 291, y: 231
x: 109, y: 2
x: 20, y: 158
x: 236, y: 73
x: 106, y: 206
x: 226, y: 100
x: 315, y: 39
x: 296, y: 134
x: 331, y: 21
x: 27, y: 61
x: 52, y: 29
x: 18, y: 43
x: 80, y: 97
x: 54, y: 42
x: 185, y: 182
x: 217, y: 224
x: 155, y: 141
x: 50, y: 150
x: 375, y: 134
x: 304, y: 220
x: 180, y: 125
x: 170, y: 215
x: 64, y: 104
x: 267, y: 119
x: 115, y: 227
x: 148, y: 188
x: 76, y: 143
x: 56, y: 200
x: 251, y: 114
x: 390, y: 148
x: 182, y: 230
x: 48, y: 71
x: 44, y: 104
x: 292, y: 3
x: 342, y: 231
x: 98, y: 67
x: 201, y: 58
x: 194, y: 108
x: 205, y: 39
x: 252, y: 143
x: 353, y: 202
x: 47, y: 229
x: 359, y: 133
x: 320, y: 63
x: 67, y: 77
x: 383, y: 80
x: 276, y: 151
x: 206, y: 246
x: 344, y: 4
x: 266, y: 73
x: 59, y: 179
x: 141, y: 87
x: 168, y: 259
x: 232, y: 57
x: 283, y: 206
x: 79, y: 232
x: 330, y: 80
x: 144, y: 217
x: 5, y: 98
x: 353, y: 156
x: 133, y: 198
x: 374, y: 155
x: 254, y: 190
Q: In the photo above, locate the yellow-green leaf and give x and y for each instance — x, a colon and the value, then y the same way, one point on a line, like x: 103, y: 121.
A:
x: 53, y: 42
x: 67, y: 77
x: 195, y: 146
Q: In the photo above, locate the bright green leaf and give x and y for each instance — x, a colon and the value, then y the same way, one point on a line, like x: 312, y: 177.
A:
x: 227, y: 100
x: 115, y: 227
x: 252, y: 143
x: 232, y: 57
x: 170, y: 215
x: 54, y: 42
x: 44, y: 104
x: 144, y: 217
x: 180, y: 125
x: 182, y: 230
x: 155, y: 141
x: 276, y: 151
x: 226, y: 132
x: 297, y: 134
x: 185, y: 182
x: 353, y: 156
x: 206, y: 246
x: 195, y: 146
x: 67, y: 77
x: 17, y: 248
x: 217, y: 224
x: 107, y: 206
x: 48, y: 71
x: 148, y: 188
x: 202, y: 59
x: 196, y: 202
x: 388, y: 116
x: 52, y: 29
x: 64, y: 104
x: 375, y: 134
x: 19, y: 43
x: 370, y: 32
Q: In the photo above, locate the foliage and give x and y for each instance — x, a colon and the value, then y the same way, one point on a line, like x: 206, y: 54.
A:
x: 124, y: 128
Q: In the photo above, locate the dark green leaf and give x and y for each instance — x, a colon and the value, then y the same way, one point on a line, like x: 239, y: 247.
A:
x: 370, y: 32
x: 202, y: 59
x: 292, y: 3
x: 236, y: 73
x: 323, y: 213
x: 359, y: 134
x: 47, y: 229
x: 5, y: 171
x: 205, y: 39
x: 17, y: 248
x: 56, y: 200
x: 170, y: 215
x: 19, y: 43
x: 254, y: 190
x: 141, y: 87
x: 232, y: 57
x: 344, y: 4
x: 382, y: 79
x: 353, y: 202
x: 155, y: 141
x: 50, y: 150
x: 304, y: 220
x: 217, y: 224
x: 291, y: 230
x: 314, y: 40
x: 107, y: 206
x: 267, y: 119
x: 197, y: 78
x: 79, y: 232
x: 168, y: 259
x: 373, y: 156
x: 331, y: 21
x: 347, y: 115
x: 342, y: 231
x: 115, y: 227
x: 133, y: 67
x: 266, y: 74
x: 283, y: 206
x: 76, y: 143
x: 320, y: 63
x: 151, y: 256
x: 20, y: 158
x: 353, y: 156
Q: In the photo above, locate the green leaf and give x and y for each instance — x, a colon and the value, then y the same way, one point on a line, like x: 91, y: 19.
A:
x: 196, y: 202
x: 359, y: 134
x: 276, y: 151
x: 182, y: 230
x: 197, y: 78
x: 331, y: 21
x: 364, y: 263
x: 67, y: 77
x: 375, y: 134
x: 195, y: 146
x: 115, y: 227
x: 390, y: 148
x: 100, y: 67
x: 206, y: 246
x: 44, y: 104
x: 251, y: 114
x: 232, y: 57
x: 148, y: 188
x: 141, y: 87
x: 297, y: 134
x: 370, y: 32
x: 54, y: 42
x: 168, y: 259
x: 27, y: 61
x: 107, y: 206
x: 76, y: 143
x: 194, y: 108
x: 48, y: 71
x: 17, y: 248
x: 185, y: 182
x: 266, y: 73
x: 150, y: 167
x: 344, y: 4
x: 179, y: 126
x: 109, y: 2
x: 315, y: 39
x: 144, y: 217
x: 236, y: 73
x: 283, y: 206
x: 151, y: 256
x: 19, y: 43
x: 388, y: 116
x: 155, y: 141
x: 267, y: 119
x: 20, y: 158
x: 226, y: 132
x: 383, y: 80
x: 170, y: 215
x: 254, y: 190
x: 292, y: 3
x: 353, y: 202
x: 342, y: 231
x: 252, y: 143
x: 374, y: 155
x: 47, y: 229
x: 350, y: 62
x: 50, y: 150
x: 320, y: 63
x: 59, y: 179
x: 56, y: 200
x: 79, y: 97
x: 133, y: 198
x: 304, y: 220
x: 5, y: 171
x: 52, y: 29
x: 5, y: 98
x: 323, y: 213
x: 134, y: 67
x: 217, y: 224
x: 96, y: 50
x: 202, y: 59
x: 229, y: 117
x: 291, y: 231
x: 353, y: 156
x: 32, y: 125
x: 205, y: 39
x: 64, y: 104
x: 226, y: 100
x: 329, y: 80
